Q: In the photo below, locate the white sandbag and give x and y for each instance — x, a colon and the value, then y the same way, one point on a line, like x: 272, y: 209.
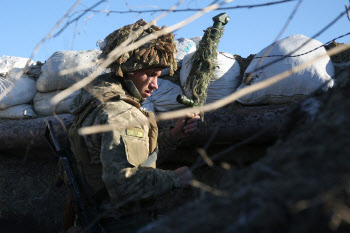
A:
x: 227, y: 74
x: 43, y: 106
x: 298, y: 85
x: 164, y: 99
x: 184, y: 46
x: 51, y: 79
x: 23, y: 111
x: 23, y: 91
x: 196, y: 40
x: 9, y: 62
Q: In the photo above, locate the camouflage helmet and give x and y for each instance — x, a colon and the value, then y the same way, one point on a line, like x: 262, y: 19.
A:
x: 159, y: 52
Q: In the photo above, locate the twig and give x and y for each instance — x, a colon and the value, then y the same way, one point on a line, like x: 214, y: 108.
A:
x: 3, y: 94
x: 199, y: 9
x: 207, y: 188
x: 77, y: 18
x: 281, y: 32
x: 205, y: 157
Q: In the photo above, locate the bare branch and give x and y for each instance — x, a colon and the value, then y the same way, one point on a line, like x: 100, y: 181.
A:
x: 3, y: 94
x: 209, y: 189
x: 78, y: 17
x: 199, y: 9
x: 281, y: 32
x: 205, y: 157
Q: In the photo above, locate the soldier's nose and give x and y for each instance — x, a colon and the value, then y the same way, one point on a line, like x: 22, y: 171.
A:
x: 154, y: 84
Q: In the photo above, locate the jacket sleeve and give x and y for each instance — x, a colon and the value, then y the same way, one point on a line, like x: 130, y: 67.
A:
x: 123, y: 179
x: 166, y: 141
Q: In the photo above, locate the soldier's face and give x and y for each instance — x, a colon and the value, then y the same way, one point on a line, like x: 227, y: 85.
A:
x: 146, y: 80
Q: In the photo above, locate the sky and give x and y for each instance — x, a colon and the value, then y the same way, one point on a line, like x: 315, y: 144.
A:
x: 25, y: 23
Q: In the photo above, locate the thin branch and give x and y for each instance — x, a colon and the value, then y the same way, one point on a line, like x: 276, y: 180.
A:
x: 281, y: 32
x: 205, y: 157
x: 301, y: 46
x: 3, y: 94
x: 209, y: 189
x: 199, y: 9
x: 78, y: 17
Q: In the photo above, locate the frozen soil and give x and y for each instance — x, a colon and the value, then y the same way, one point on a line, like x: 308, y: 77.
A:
x: 300, y: 185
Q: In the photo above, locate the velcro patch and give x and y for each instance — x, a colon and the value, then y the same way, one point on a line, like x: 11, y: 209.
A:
x: 136, y: 132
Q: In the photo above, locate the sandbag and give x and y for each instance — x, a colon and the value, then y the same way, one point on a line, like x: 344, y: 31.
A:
x: 298, y: 85
x: 23, y: 91
x: 23, y: 111
x: 51, y: 79
x: 43, y: 106
x: 184, y: 46
x: 9, y: 62
x: 196, y: 40
x: 227, y: 74
x: 164, y: 99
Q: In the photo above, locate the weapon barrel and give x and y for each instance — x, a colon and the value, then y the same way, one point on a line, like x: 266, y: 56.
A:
x: 182, y: 99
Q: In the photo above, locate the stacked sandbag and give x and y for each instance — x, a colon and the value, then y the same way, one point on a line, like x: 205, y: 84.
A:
x: 163, y: 99
x: 44, y: 107
x: 22, y: 111
x: 16, y: 104
x: 52, y: 79
x: 298, y: 85
x: 227, y: 75
x: 196, y: 40
x: 8, y: 63
x: 184, y: 46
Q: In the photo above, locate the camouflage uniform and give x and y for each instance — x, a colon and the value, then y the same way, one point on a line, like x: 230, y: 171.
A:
x: 113, y: 159
x: 122, y: 161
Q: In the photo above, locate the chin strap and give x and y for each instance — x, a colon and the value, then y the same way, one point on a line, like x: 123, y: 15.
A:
x: 130, y: 88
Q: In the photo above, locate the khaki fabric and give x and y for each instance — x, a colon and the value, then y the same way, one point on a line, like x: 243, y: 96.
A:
x: 113, y: 158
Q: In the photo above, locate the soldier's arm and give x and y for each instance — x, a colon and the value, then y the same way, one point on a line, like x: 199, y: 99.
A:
x: 121, y: 155
x: 183, y: 129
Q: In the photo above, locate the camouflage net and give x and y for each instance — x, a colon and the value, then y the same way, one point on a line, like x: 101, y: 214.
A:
x: 204, y: 62
x: 159, y: 52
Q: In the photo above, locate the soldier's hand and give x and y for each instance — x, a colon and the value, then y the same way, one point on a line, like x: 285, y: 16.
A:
x: 185, y: 175
x: 185, y: 126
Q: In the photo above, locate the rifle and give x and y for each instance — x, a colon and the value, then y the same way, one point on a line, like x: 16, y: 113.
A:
x: 79, y: 201
x: 203, y: 63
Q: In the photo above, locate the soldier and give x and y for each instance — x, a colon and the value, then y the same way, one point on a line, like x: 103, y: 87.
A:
x: 123, y: 160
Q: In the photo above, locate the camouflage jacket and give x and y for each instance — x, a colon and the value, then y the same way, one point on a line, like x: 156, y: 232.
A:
x: 113, y: 159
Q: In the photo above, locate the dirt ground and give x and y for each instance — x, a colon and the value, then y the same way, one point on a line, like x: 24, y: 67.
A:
x: 29, y: 200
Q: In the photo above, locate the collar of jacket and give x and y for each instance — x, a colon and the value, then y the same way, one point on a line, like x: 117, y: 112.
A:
x: 130, y: 88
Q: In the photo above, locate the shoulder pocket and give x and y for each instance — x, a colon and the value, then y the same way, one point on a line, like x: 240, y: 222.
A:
x: 136, y: 149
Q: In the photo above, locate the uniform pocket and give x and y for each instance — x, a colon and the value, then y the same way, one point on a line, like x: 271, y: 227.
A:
x: 136, y: 149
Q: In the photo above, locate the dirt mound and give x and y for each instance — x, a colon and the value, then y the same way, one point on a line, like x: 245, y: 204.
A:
x: 302, y: 184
